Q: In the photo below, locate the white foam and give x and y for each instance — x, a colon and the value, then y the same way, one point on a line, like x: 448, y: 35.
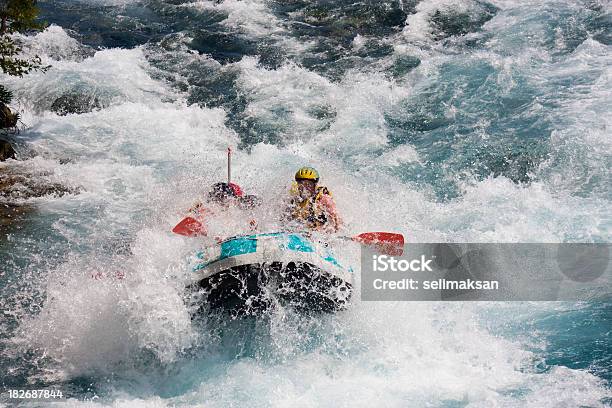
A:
x: 143, y: 160
x: 401, y: 154
x: 395, y: 354
x: 54, y: 42
x: 418, y: 27
x: 246, y: 16
x: 286, y: 97
x: 112, y: 76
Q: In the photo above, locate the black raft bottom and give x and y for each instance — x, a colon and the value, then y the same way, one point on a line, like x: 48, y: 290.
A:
x: 252, y: 289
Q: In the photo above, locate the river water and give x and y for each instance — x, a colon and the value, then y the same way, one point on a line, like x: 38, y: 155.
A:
x: 463, y: 120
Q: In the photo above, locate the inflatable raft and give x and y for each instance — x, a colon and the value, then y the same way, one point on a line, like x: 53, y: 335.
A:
x: 249, y: 274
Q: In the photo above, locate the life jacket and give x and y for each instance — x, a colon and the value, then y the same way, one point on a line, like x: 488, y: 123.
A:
x: 308, y: 210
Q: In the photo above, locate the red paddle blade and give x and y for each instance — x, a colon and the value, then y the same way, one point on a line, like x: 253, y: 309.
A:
x: 385, y: 242
x: 189, y: 227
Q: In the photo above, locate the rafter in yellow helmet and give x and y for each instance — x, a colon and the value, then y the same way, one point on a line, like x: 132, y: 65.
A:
x: 307, y: 173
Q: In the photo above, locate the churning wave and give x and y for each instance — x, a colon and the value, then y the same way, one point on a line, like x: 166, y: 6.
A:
x: 465, y: 121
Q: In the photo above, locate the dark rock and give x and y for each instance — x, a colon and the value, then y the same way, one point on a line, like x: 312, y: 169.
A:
x: 404, y: 64
x: 6, y: 150
x: 448, y: 22
x: 18, y: 184
x: 8, y: 119
x: 12, y: 217
x: 75, y: 103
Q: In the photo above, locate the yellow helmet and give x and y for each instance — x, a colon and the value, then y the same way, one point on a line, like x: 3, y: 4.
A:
x: 307, y: 173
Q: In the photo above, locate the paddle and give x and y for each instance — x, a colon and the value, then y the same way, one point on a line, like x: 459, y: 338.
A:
x: 189, y: 227
x: 388, y: 243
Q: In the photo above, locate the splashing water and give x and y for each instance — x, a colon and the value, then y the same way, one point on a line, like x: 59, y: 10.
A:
x: 447, y: 121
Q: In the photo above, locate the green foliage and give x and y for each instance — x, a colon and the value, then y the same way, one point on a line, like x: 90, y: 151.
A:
x: 5, y: 95
x: 17, y: 16
x: 10, y: 64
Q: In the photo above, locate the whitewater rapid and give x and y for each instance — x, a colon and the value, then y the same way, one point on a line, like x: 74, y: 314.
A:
x: 93, y: 285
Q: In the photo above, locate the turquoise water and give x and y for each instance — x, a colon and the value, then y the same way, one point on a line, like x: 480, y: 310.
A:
x: 481, y: 121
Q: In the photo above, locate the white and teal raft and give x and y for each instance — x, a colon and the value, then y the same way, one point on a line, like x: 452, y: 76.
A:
x: 248, y: 274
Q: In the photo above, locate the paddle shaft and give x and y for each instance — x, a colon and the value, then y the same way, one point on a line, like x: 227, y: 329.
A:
x: 229, y: 165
